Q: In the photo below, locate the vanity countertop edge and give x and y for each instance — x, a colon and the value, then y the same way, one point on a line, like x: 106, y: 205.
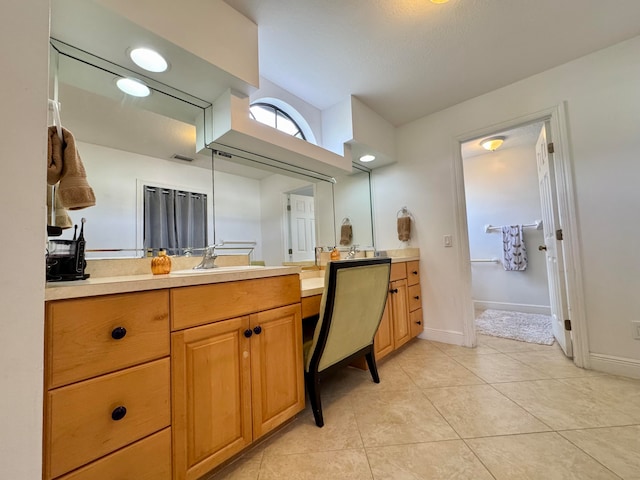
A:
x: 136, y: 283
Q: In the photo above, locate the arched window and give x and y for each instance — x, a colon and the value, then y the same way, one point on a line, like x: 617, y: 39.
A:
x: 277, y: 118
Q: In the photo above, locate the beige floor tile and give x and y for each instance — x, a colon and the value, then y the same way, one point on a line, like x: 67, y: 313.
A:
x: 480, y: 411
x: 245, y: 468
x: 561, y: 406
x: 426, y: 461
x: 343, y: 465
x: 392, y: 377
x: 621, y: 393
x: 554, y: 364
x: 340, y: 431
x: 393, y: 418
x: 506, y: 345
x: 438, y: 372
x: 544, y: 456
x: 457, y: 350
x: 420, y: 347
x: 617, y: 448
x: 499, y: 368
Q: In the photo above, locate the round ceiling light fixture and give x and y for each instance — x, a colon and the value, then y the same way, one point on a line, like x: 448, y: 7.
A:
x: 133, y: 87
x: 149, y: 59
x: 493, y: 143
x: 439, y: 1
x: 367, y: 158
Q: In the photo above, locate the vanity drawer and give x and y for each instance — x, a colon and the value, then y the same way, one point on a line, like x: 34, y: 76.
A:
x: 398, y: 271
x: 92, y: 336
x: 202, y: 304
x: 85, y: 421
x: 415, y: 300
x: 148, y: 459
x: 413, y: 272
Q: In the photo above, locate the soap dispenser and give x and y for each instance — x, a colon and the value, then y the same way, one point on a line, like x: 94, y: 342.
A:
x: 335, y: 254
x: 161, y: 264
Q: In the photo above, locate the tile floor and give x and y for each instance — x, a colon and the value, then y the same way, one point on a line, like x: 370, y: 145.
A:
x: 504, y: 410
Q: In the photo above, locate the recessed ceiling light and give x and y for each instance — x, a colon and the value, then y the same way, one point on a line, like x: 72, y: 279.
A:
x: 133, y: 87
x: 367, y: 158
x: 439, y: 1
x: 148, y: 59
x: 492, y: 143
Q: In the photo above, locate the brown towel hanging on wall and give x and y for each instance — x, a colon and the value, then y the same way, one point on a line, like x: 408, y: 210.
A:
x: 346, y: 232
x: 404, y: 229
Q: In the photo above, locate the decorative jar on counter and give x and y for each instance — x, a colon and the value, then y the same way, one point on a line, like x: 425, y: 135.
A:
x: 161, y: 264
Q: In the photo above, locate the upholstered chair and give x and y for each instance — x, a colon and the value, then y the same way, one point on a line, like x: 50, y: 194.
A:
x: 351, y: 308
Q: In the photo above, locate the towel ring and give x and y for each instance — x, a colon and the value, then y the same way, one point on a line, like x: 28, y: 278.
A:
x: 403, y: 212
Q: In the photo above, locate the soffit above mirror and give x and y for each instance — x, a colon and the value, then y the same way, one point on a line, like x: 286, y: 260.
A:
x: 94, y: 28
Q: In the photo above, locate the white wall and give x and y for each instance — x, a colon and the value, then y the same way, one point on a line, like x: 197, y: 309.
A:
x: 602, y: 95
x: 23, y: 97
x: 116, y: 218
x: 501, y: 188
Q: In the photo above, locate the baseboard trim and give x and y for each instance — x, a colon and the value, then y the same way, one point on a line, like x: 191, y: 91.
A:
x: 627, y: 367
x: 443, y: 336
x: 514, y: 307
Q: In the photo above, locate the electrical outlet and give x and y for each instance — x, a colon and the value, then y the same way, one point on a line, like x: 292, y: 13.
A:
x: 636, y: 329
x: 448, y: 241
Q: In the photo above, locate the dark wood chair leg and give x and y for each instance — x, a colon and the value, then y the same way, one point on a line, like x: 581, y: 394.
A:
x: 312, y: 381
x: 371, y: 362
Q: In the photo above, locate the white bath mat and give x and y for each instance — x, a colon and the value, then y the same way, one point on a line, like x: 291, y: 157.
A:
x: 526, y: 327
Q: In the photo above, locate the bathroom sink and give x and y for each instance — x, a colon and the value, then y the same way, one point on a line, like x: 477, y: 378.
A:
x: 234, y: 268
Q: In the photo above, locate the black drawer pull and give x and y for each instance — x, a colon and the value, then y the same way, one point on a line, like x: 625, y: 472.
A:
x: 248, y: 333
x: 393, y: 290
x: 419, y: 322
x: 417, y: 297
x: 118, y: 333
x: 257, y: 330
x: 118, y: 413
x: 415, y: 272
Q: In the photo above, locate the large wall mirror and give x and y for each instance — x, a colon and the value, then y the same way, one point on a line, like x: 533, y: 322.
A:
x: 127, y: 143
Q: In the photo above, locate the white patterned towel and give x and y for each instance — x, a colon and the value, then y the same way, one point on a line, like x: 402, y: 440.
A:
x: 513, y: 249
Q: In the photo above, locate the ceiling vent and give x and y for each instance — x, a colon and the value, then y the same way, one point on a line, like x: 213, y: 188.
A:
x: 182, y: 157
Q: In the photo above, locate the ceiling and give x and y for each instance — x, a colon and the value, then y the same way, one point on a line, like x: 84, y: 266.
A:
x: 408, y: 58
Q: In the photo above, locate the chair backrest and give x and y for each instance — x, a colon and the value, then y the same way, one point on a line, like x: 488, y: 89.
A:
x: 352, y: 305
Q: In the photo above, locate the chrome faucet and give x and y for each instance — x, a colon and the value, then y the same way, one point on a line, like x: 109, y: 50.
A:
x: 352, y: 252
x: 208, y: 258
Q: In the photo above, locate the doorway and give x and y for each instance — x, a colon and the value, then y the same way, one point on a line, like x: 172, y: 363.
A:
x: 300, y: 225
x: 572, y: 336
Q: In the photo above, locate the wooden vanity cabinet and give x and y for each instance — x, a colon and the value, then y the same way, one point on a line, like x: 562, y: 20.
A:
x: 402, y: 319
x: 107, y: 387
x: 234, y: 379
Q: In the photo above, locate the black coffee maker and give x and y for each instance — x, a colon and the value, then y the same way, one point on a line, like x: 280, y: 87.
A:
x: 65, y: 258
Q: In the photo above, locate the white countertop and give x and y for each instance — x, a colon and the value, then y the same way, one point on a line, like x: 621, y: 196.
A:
x: 135, y: 283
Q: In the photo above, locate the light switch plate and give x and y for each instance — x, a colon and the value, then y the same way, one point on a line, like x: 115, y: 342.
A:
x: 448, y: 241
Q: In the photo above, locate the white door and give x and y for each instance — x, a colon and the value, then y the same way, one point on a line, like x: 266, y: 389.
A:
x: 553, y: 244
x: 302, y: 224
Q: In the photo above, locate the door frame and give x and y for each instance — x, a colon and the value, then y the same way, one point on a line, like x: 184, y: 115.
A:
x: 557, y: 118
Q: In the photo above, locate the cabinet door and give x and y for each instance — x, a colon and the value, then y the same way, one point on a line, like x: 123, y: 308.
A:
x: 211, y: 395
x: 383, y: 341
x: 277, y: 373
x: 400, y: 313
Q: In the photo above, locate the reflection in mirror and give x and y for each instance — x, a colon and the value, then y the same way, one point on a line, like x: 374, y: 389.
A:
x: 273, y: 215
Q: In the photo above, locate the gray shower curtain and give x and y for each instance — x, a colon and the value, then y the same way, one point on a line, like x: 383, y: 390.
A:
x: 174, y: 220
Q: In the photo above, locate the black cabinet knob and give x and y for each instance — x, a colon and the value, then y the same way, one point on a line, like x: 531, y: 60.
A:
x: 119, y: 413
x: 393, y: 290
x: 417, y: 297
x: 419, y: 322
x: 248, y: 333
x: 257, y: 330
x: 118, y: 333
x: 415, y: 272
